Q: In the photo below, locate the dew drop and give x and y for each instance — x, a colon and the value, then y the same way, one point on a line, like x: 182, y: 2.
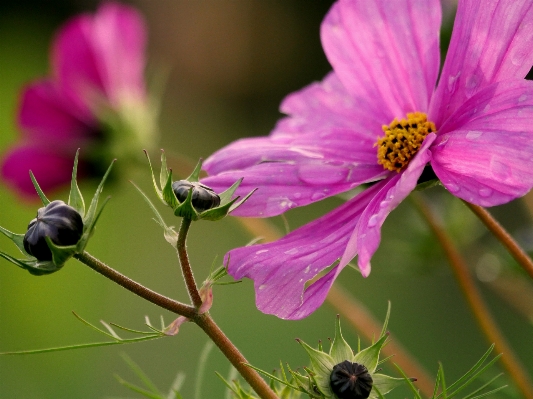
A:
x: 292, y: 251
x: 297, y: 195
x: 307, y: 269
x: 452, y: 187
x: 317, y: 196
x: 452, y: 82
x: 383, y: 204
x: 499, y: 169
x: 522, y: 98
x: 262, y: 286
x: 485, y: 192
x: 473, y: 135
x: 372, y: 221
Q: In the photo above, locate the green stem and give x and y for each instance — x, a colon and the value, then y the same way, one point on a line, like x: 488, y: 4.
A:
x: 481, y: 312
x: 186, y: 269
x: 136, y: 288
x: 503, y: 236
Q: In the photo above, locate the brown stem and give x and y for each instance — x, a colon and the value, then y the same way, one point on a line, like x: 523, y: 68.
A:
x: 514, y: 368
x: 186, y: 269
x: 505, y: 238
x: 238, y: 361
x: 354, y: 311
x: 136, y: 288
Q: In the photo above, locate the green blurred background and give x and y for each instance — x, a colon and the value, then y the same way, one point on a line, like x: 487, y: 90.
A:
x: 230, y: 63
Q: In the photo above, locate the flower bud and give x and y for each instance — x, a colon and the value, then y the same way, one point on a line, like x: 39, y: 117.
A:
x: 57, y: 220
x: 350, y: 381
x: 203, y: 197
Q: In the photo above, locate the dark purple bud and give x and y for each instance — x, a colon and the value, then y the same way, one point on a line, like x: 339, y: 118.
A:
x: 203, y: 197
x: 350, y: 381
x: 57, y: 220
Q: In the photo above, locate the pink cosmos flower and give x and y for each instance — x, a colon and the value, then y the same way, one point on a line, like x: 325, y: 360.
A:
x: 382, y: 116
x: 96, y: 82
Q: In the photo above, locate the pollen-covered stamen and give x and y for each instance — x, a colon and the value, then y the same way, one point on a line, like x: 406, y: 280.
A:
x: 402, y: 140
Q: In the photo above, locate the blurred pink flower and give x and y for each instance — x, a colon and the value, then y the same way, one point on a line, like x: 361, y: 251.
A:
x: 385, y: 58
x: 96, y: 82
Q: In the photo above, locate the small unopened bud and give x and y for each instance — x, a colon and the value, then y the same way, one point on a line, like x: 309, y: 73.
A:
x: 350, y: 381
x: 203, y: 197
x: 57, y: 220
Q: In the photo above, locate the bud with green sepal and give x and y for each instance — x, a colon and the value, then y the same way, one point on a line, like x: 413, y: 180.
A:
x: 191, y: 199
x: 59, y: 231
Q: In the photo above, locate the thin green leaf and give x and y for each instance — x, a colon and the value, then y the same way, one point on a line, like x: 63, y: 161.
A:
x: 80, y: 346
x: 137, y: 389
x: 472, y: 394
x: 43, y: 198
x: 176, y: 386
x: 386, y: 322
x: 110, y: 329
x: 140, y: 374
x: 91, y: 212
x: 131, y: 330
x: 489, y: 392
x: 271, y: 376
x: 92, y: 325
x: 200, y: 372
x: 409, y: 382
x: 75, y: 198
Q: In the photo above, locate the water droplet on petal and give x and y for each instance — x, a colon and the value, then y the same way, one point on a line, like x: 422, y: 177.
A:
x: 452, y: 82
x: 262, y: 251
x: 473, y: 135
x: 297, y: 195
x: 452, y: 187
x: 372, y: 221
x: 522, y: 98
x: 262, y: 286
x: 383, y: 204
x: 317, y: 196
x: 292, y: 251
x: 499, y: 169
x: 485, y: 192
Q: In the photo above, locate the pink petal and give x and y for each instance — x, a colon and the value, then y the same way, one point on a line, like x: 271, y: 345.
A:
x: 46, y: 114
x: 366, y: 237
x: 490, y: 43
x: 386, y: 53
x: 51, y: 168
x: 484, y: 152
x: 119, y: 41
x: 101, y: 54
x: 326, y: 106
x: 281, y: 269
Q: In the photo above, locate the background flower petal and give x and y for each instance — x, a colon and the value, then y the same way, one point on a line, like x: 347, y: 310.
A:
x: 485, y: 159
x: 46, y: 114
x: 490, y: 43
x: 281, y: 269
x: 119, y: 41
x: 50, y: 167
x: 386, y: 53
x: 366, y: 237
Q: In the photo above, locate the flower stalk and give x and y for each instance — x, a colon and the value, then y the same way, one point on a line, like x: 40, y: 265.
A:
x: 474, y: 299
x: 186, y: 270
x: 503, y: 236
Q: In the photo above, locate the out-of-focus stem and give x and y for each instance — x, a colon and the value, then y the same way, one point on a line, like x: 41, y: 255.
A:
x: 514, y: 368
x: 503, y: 236
x: 136, y: 288
x: 186, y: 270
x: 355, y: 312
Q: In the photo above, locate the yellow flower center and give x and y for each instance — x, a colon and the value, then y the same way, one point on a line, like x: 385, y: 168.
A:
x: 402, y: 140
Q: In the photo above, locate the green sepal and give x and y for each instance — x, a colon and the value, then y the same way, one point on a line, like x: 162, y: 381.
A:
x: 427, y: 184
x: 169, y: 197
x: 163, y: 174
x: 223, y: 209
x: 60, y: 254
x: 185, y: 209
x: 369, y: 357
x: 18, y: 239
x: 322, y: 366
x: 384, y: 384
x: 43, y: 198
x: 340, y: 350
x: 169, y: 233
x: 75, y: 198
x: 32, y: 265
x: 195, y: 175
x: 90, y: 219
x: 158, y: 191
